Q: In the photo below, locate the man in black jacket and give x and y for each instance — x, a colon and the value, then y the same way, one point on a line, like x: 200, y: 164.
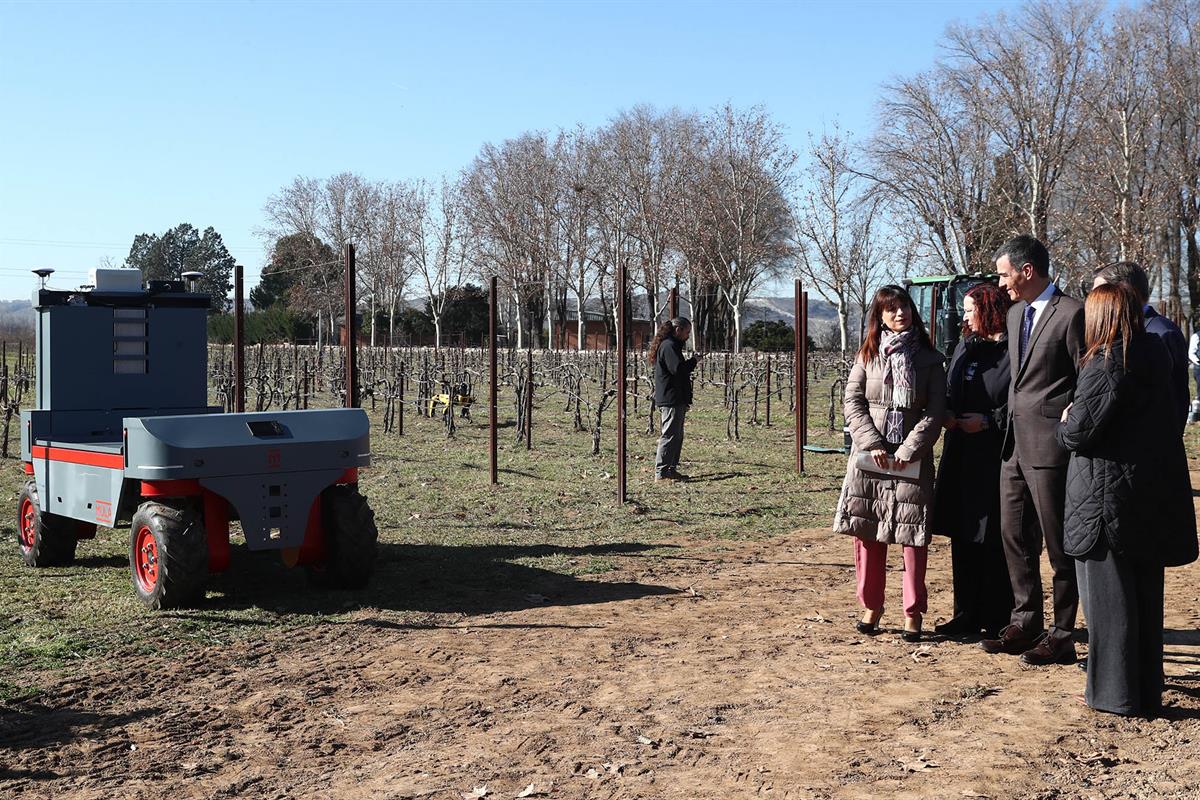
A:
x: 672, y: 393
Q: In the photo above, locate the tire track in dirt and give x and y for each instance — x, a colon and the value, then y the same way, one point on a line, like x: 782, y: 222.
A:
x: 748, y: 680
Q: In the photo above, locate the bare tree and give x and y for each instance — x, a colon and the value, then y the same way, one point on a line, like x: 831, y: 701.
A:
x: 1115, y: 186
x: 511, y: 195
x: 577, y: 219
x: 748, y: 175
x: 836, y: 229
x: 338, y: 210
x: 385, y: 254
x: 1176, y: 35
x: 930, y: 159
x: 436, y: 229
x: 1024, y: 78
x: 646, y: 147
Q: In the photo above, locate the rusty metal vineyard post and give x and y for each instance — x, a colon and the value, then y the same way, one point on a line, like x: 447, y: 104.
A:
x: 768, y: 389
x: 493, y: 471
x: 351, y: 331
x: 803, y: 376
x: 622, y: 331
x: 799, y: 355
x: 239, y: 342
x: 529, y: 399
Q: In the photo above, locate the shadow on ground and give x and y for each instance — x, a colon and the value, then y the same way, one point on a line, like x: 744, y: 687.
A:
x: 32, y: 725
x: 1187, y: 638
x: 444, y: 579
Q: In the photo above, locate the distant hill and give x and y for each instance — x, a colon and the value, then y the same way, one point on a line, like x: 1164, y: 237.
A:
x: 756, y: 308
x: 783, y: 309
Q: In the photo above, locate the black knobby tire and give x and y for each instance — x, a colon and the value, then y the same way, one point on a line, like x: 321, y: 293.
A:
x: 350, y: 539
x: 44, y: 539
x: 168, y: 555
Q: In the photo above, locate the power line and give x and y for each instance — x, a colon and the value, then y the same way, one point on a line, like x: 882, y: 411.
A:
x: 29, y: 271
x: 86, y: 244
x: 301, y: 268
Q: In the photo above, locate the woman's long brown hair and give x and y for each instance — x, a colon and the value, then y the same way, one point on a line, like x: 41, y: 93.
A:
x: 889, y: 297
x: 665, y: 331
x: 1111, y: 311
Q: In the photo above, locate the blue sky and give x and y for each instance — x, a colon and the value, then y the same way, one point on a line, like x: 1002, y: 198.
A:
x: 120, y: 119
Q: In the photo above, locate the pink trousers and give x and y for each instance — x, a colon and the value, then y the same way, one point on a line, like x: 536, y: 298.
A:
x: 870, y: 567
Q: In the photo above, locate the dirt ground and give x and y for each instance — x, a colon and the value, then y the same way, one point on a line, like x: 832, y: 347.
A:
x: 721, y: 669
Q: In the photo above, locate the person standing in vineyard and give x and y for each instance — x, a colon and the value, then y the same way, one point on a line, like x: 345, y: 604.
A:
x: 895, y: 403
x: 672, y: 393
x: 966, y: 497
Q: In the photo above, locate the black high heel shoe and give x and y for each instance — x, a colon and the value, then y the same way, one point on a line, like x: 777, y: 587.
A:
x: 869, y: 628
x: 908, y: 635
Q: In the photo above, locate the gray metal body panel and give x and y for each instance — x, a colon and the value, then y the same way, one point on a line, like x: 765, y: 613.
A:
x: 219, y: 445
x: 273, y: 508
x: 79, y: 428
x: 77, y: 358
x: 80, y: 491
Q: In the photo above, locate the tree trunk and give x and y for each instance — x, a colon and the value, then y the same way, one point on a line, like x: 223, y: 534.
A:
x: 1193, y: 274
x: 843, y: 315
x: 520, y: 315
x: 737, y: 326
x: 580, y: 326
x: 549, y: 340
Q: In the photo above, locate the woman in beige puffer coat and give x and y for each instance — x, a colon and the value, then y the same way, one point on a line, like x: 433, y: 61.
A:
x: 895, y: 402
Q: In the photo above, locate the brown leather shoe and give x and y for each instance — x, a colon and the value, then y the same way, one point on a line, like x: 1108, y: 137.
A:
x: 1050, y: 650
x: 1013, y: 640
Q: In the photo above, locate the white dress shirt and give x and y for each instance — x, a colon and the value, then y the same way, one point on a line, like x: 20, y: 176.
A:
x: 1039, y: 305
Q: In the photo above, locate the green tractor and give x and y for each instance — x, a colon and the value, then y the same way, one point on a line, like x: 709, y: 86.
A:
x: 939, y: 300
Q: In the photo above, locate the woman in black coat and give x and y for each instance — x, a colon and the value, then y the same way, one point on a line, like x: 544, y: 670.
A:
x: 966, y: 505
x: 672, y: 393
x: 1129, y: 507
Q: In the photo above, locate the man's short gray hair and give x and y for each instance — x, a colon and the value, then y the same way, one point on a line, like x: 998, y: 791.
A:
x: 1127, y: 272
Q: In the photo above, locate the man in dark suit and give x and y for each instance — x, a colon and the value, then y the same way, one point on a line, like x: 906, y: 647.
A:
x: 1045, y: 341
x: 1133, y: 276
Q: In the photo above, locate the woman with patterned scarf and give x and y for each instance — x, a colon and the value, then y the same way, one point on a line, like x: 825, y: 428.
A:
x: 895, y: 401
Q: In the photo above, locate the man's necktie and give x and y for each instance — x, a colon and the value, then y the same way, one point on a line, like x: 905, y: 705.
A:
x: 1026, y: 330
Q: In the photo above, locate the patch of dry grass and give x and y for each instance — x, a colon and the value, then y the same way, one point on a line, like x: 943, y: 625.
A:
x: 450, y: 543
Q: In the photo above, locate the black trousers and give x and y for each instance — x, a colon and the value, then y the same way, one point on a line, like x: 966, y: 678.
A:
x: 1123, y: 600
x: 982, y: 591
x: 1032, y: 500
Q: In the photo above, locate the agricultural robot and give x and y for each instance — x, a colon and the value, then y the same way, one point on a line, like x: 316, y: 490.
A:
x: 122, y: 434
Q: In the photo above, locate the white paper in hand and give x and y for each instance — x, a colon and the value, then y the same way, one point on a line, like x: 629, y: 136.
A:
x: 911, y: 470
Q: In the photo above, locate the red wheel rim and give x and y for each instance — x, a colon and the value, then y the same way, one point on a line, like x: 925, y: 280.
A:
x: 145, y: 560
x: 27, y: 524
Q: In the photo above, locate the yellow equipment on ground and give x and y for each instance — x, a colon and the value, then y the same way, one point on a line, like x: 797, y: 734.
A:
x: 440, y: 403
